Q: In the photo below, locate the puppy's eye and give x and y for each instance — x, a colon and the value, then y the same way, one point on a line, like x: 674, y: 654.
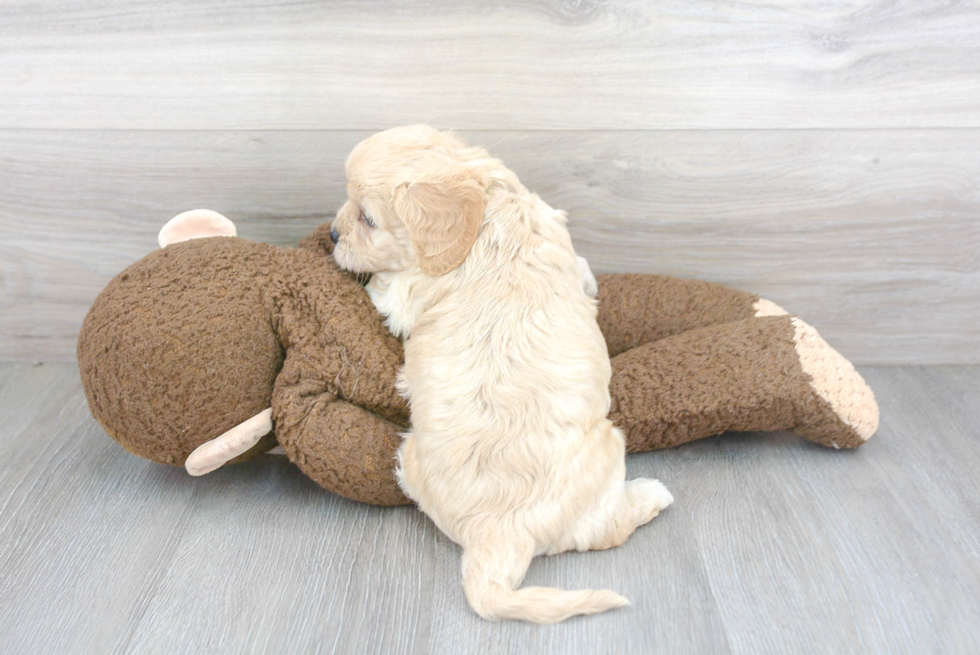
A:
x: 367, y: 220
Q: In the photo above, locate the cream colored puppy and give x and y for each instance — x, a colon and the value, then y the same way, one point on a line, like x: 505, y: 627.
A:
x: 510, y: 451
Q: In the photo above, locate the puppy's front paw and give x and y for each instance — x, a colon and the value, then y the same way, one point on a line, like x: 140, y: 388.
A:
x: 589, y: 285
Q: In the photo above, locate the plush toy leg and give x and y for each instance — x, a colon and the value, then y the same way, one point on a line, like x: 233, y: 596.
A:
x: 235, y: 442
x: 636, y: 309
x: 195, y: 224
x: 757, y: 374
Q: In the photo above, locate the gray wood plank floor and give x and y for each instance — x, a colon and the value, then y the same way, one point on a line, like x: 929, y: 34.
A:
x: 773, y: 546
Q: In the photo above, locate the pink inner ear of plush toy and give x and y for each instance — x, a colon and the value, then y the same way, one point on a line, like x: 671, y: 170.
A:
x: 195, y: 224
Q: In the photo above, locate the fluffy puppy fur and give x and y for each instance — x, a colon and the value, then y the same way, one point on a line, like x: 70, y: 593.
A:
x: 510, y: 451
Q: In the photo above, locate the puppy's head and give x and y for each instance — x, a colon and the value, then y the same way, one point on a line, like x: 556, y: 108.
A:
x: 415, y: 195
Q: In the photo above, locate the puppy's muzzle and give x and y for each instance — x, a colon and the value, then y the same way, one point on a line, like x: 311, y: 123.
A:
x: 334, y: 235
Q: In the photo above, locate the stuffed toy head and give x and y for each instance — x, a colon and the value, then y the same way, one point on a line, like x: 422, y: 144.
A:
x: 196, y: 338
x: 215, y: 349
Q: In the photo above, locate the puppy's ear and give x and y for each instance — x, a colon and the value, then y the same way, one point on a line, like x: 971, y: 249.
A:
x: 443, y: 213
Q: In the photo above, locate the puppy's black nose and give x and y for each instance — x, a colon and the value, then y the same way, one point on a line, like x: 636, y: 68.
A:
x: 334, y: 235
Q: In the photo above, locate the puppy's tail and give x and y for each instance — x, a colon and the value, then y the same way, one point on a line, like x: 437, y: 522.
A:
x: 489, y: 578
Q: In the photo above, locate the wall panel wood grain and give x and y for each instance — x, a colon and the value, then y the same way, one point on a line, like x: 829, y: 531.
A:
x: 522, y: 64
x: 871, y: 235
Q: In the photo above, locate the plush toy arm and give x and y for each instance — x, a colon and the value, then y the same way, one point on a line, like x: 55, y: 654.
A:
x: 343, y: 447
x: 758, y: 374
x: 371, y: 360
x: 328, y: 319
x: 347, y: 450
x: 635, y: 309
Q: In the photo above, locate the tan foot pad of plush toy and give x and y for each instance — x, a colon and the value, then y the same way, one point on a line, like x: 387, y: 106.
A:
x: 849, y: 400
x: 187, y: 354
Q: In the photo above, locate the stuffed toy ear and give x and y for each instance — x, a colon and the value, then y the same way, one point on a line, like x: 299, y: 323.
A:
x: 195, y: 224
x: 443, y: 212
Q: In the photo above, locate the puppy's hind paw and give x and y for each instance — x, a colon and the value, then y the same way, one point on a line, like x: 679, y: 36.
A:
x: 647, y: 498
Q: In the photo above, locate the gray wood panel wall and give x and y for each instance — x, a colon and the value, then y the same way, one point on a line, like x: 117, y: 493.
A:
x: 825, y: 155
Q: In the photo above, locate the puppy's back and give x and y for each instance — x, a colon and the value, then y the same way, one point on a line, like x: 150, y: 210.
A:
x: 510, y: 367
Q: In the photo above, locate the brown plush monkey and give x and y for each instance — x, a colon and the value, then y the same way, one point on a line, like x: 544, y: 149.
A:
x: 191, y: 355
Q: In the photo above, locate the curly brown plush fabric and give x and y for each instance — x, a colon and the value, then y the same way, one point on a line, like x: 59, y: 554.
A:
x: 166, y: 341
x: 198, y: 337
x: 192, y: 339
x: 638, y: 309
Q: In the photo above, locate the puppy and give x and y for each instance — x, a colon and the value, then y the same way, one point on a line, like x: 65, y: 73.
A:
x: 510, y: 451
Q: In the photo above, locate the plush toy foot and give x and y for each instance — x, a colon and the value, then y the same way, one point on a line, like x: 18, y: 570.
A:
x: 843, y: 413
x: 195, y: 224
x: 214, y: 454
x: 834, y: 380
x: 853, y: 413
